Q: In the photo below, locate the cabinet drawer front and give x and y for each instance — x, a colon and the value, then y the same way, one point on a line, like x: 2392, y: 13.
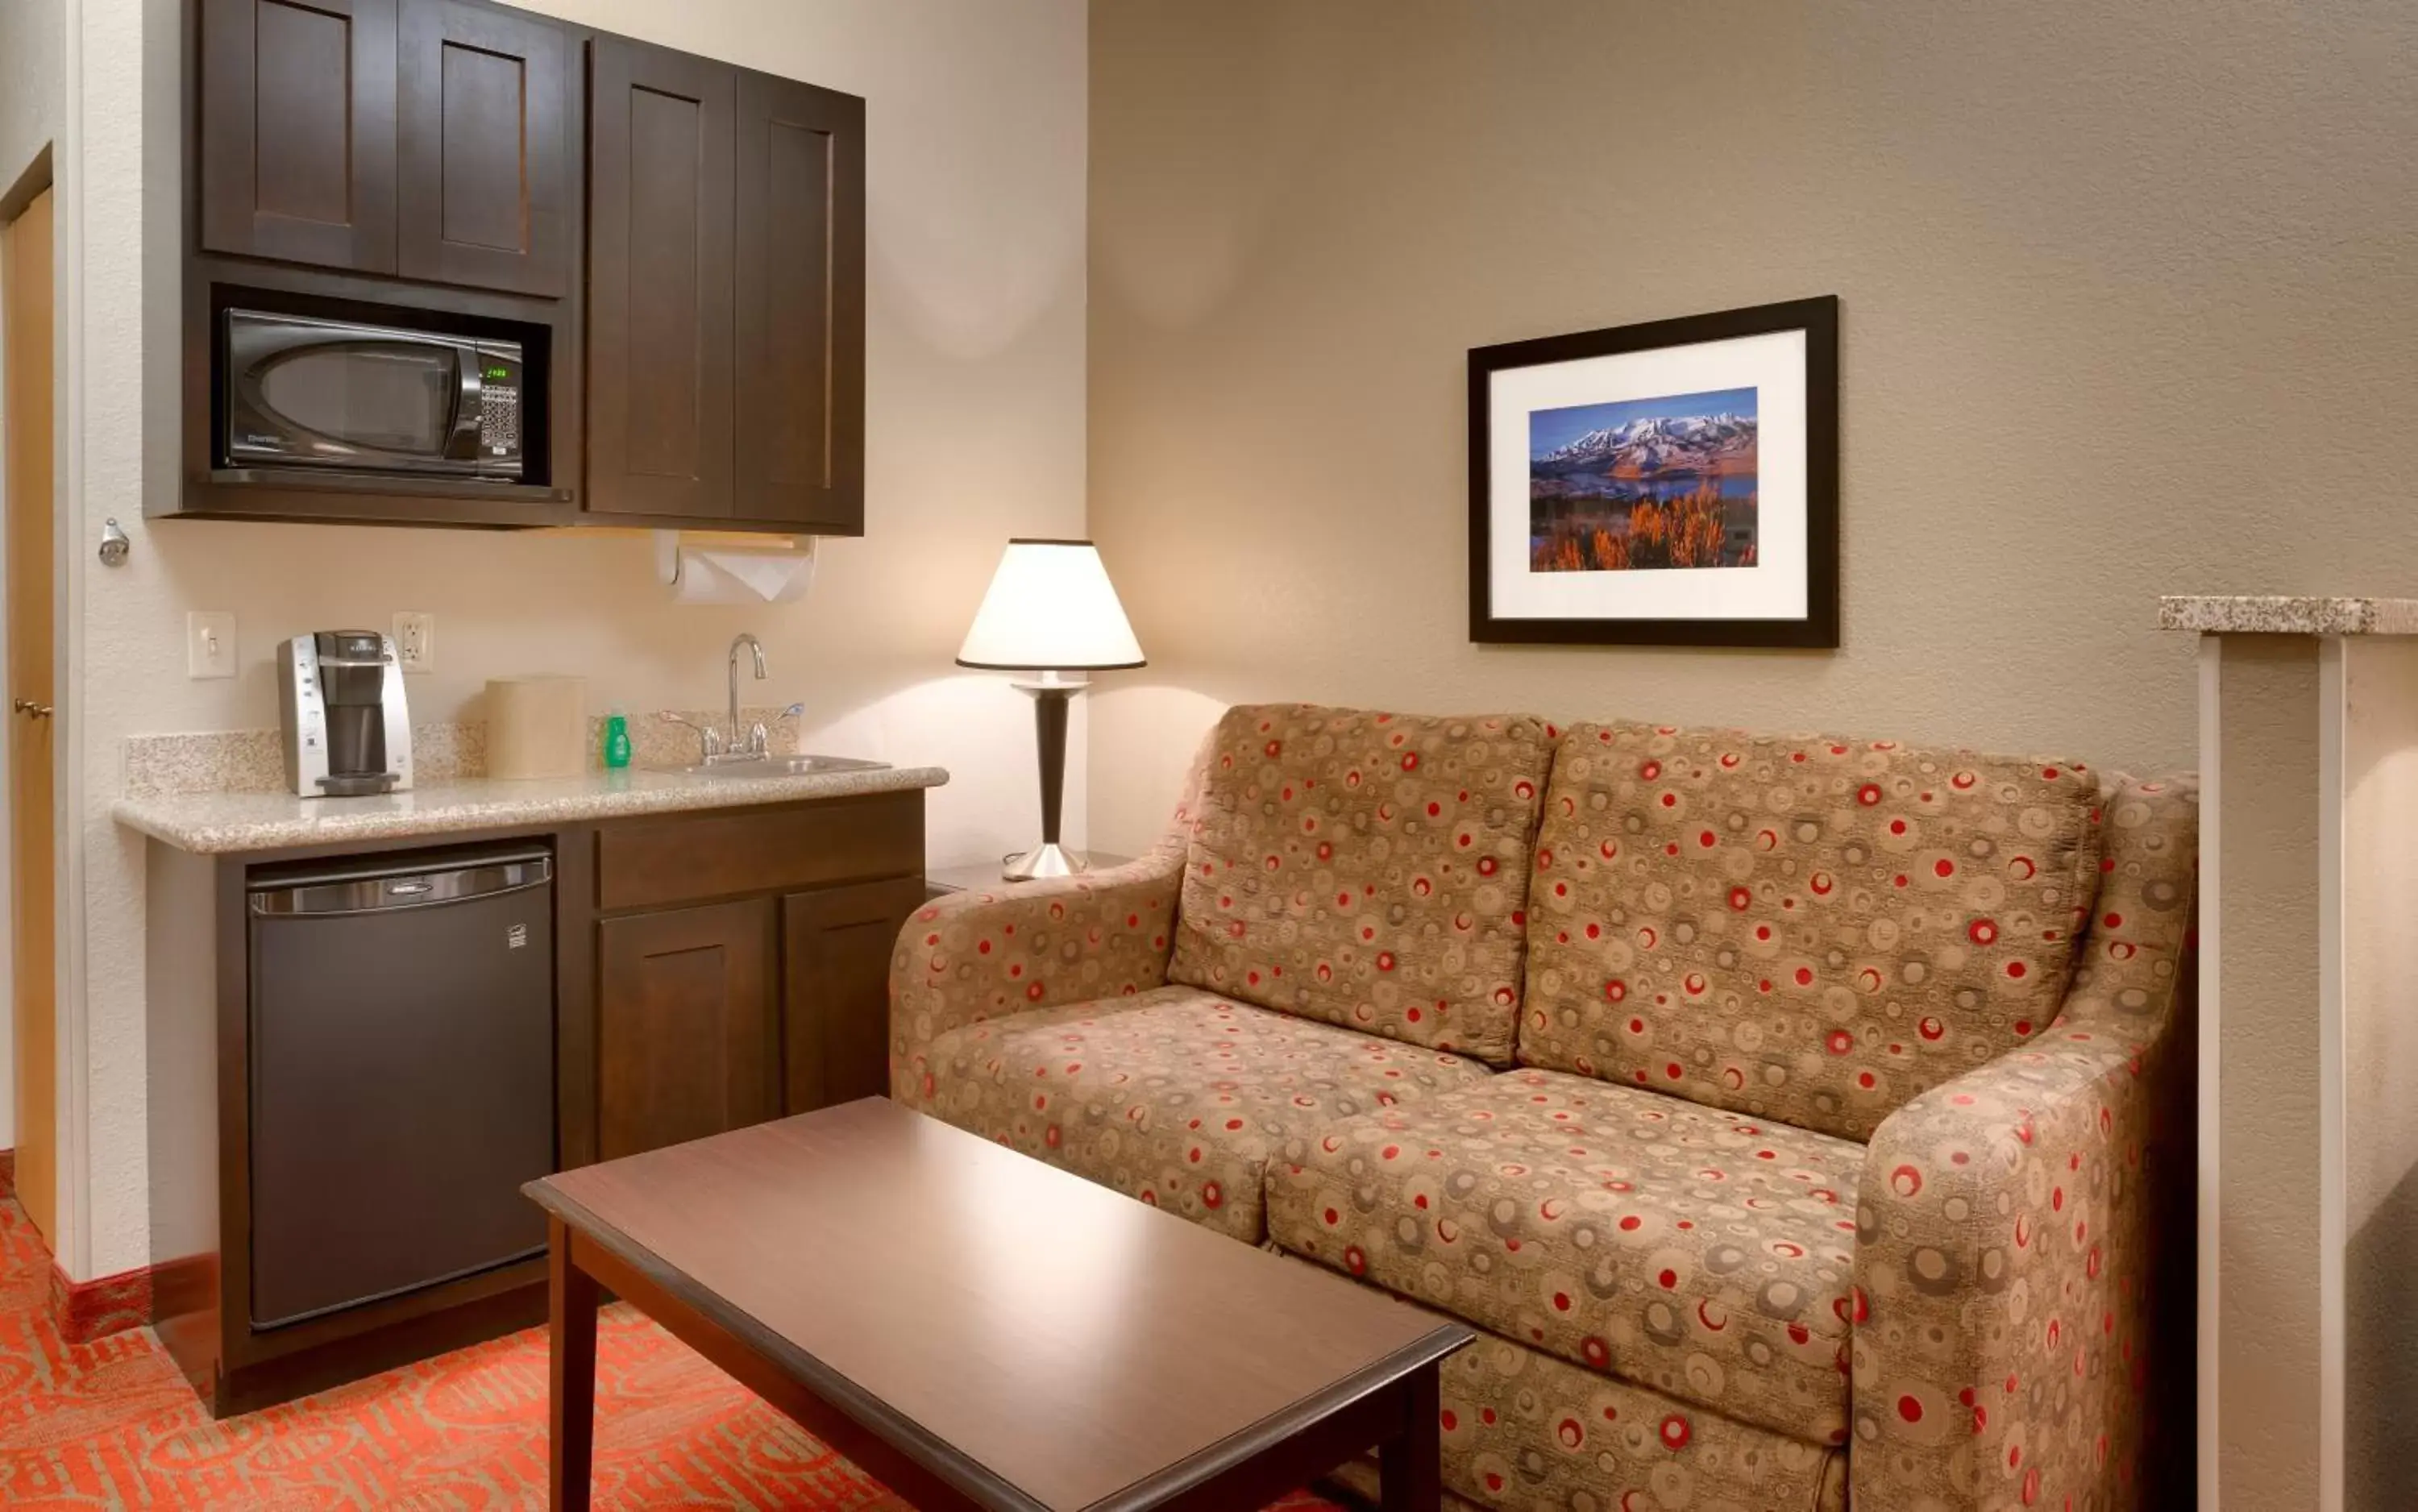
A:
x: 683, y: 858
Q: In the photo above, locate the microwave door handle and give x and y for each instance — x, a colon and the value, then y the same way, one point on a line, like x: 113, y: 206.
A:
x: 461, y: 442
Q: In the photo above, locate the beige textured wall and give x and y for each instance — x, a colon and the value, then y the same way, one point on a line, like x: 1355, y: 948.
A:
x: 2129, y: 303
x: 975, y: 424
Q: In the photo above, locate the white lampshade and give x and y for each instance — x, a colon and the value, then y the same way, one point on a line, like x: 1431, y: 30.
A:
x: 1051, y: 607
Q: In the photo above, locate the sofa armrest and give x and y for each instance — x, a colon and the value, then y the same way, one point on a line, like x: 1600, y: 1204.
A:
x: 987, y: 953
x: 2017, y: 1227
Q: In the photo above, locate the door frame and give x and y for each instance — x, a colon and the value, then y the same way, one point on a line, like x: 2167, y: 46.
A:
x: 70, y: 1247
x: 14, y: 202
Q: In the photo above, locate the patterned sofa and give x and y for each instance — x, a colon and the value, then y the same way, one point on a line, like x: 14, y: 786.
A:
x: 1803, y: 1119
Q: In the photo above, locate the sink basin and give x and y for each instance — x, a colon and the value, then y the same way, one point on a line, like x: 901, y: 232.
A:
x: 782, y: 766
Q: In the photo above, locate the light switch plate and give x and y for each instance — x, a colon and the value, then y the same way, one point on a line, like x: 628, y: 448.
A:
x: 209, y: 643
x: 415, y: 641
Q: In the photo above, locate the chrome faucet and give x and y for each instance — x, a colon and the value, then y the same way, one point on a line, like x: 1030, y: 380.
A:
x: 755, y: 744
x: 728, y: 744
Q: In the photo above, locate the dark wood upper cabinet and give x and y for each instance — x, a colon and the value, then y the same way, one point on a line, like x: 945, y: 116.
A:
x: 836, y: 948
x: 484, y: 117
x: 297, y: 159
x: 685, y: 1031
x: 660, y: 150
x: 726, y: 294
x: 800, y: 304
x: 679, y: 242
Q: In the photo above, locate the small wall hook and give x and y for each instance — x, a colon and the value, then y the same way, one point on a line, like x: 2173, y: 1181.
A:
x: 113, y: 543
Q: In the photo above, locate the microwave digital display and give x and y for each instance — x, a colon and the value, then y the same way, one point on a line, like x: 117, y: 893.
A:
x: 300, y: 391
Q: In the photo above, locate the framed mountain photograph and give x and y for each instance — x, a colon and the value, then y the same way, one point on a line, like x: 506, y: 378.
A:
x: 1673, y: 483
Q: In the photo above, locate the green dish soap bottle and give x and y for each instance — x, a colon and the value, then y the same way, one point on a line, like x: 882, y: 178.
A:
x: 617, y: 740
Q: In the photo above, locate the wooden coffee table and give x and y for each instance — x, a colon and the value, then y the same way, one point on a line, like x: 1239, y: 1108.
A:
x: 980, y: 1330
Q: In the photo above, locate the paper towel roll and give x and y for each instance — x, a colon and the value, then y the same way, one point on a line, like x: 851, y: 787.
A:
x: 730, y: 571
x: 536, y: 725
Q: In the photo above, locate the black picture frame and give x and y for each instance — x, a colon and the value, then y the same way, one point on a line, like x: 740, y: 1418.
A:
x: 1819, y: 630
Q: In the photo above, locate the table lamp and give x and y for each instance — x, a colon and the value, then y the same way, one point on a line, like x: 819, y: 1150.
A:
x: 1050, y: 610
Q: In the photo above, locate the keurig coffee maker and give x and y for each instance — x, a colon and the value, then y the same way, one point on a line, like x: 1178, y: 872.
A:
x: 340, y: 703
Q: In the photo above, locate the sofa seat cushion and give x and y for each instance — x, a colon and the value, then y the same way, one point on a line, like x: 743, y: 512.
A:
x: 1701, y: 1253
x: 1175, y: 1096
x: 1797, y: 928
x: 1366, y: 869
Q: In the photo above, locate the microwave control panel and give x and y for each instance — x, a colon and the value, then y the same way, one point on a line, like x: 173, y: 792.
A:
x: 499, y: 405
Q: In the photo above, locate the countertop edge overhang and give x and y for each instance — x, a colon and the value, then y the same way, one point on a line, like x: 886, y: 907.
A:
x: 228, y: 823
x: 2255, y: 614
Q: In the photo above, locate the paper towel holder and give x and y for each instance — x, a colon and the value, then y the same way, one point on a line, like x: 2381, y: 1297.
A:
x: 674, y: 551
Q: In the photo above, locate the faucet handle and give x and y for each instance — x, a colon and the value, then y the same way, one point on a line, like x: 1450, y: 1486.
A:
x: 709, y: 738
x: 759, y: 741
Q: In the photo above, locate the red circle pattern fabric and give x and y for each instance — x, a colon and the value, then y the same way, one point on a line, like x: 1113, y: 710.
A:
x: 1799, y: 927
x: 1366, y: 869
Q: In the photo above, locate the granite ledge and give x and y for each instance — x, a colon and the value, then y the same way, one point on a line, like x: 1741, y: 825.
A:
x: 2240, y: 614
x: 227, y: 823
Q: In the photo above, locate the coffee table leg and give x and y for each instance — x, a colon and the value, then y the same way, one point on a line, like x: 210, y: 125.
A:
x: 1411, y: 1463
x: 571, y: 1329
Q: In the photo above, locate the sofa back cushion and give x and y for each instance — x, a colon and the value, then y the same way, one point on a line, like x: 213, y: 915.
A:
x: 1804, y: 929
x: 1366, y: 869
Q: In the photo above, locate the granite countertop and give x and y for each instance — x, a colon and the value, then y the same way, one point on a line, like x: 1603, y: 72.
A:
x: 217, y: 823
x: 2275, y: 615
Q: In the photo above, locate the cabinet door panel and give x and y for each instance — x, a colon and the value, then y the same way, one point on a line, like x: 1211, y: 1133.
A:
x: 685, y: 1040
x: 659, y: 281
x: 482, y: 180
x: 836, y: 948
x: 801, y: 303
x: 298, y: 130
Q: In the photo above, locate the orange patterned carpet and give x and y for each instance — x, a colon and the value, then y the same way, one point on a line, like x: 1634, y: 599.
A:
x: 113, y: 1424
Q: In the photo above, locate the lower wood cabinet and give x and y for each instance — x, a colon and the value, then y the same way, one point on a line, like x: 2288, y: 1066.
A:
x: 836, y: 990
x: 741, y: 968
x: 684, y: 1025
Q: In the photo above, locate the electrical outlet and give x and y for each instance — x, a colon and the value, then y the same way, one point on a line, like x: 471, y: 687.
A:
x: 415, y: 641
x: 209, y: 644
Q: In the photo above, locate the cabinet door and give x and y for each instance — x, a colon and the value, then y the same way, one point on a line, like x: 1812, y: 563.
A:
x: 685, y: 1043
x: 298, y: 130
x: 483, y: 145
x: 836, y: 948
x: 659, y: 281
x: 800, y: 304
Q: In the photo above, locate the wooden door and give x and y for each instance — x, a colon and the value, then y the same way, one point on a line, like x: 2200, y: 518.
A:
x: 26, y: 282
x: 835, y: 946
x: 483, y: 177
x: 298, y: 130
x: 659, y: 281
x: 800, y: 304
x: 684, y: 1039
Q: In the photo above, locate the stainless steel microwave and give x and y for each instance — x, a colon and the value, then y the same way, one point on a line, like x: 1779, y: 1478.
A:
x: 301, y: 392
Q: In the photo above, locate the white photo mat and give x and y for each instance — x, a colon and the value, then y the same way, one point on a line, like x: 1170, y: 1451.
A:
x: 1776, y: 587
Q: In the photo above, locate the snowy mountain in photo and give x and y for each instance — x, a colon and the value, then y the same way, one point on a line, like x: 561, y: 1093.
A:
x: 1641, y: 447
